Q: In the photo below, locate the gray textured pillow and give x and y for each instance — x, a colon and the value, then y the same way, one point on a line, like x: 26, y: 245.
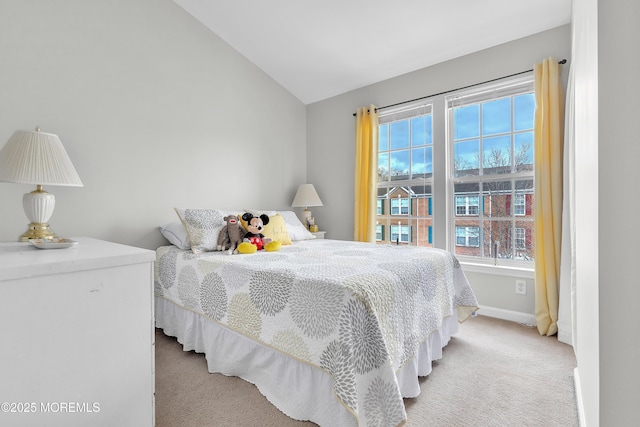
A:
x: 203, y: 227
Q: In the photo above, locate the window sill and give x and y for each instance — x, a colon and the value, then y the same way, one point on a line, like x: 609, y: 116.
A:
x: 498, y: 270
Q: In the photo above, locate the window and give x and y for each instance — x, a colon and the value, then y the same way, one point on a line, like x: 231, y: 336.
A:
x: 521, y: 241
x: 456, y: 172
x: 467, y: 205
x: 400, y: 233
x: 519, y: 205
x: 468, y: 236
x: 490, y: 139
x: 399, y: 206
x: 405, y: 174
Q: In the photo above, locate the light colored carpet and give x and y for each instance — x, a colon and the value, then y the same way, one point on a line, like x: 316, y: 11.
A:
x: 493, y: 373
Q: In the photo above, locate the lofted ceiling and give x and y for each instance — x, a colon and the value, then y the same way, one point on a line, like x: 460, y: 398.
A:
x: 320, y: 49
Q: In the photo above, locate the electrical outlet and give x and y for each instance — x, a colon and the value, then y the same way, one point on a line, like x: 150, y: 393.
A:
x: 521, y: 287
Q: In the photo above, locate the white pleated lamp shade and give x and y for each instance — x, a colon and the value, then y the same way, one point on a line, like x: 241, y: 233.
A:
x: 306, y: 196
x: 34, y: 157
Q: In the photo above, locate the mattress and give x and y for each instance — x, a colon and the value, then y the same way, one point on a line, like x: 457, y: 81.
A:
x: 331, y: 331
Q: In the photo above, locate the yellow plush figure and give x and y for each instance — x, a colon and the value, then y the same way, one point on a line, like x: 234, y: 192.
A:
x: 272, y: 246
x: 247, y: 248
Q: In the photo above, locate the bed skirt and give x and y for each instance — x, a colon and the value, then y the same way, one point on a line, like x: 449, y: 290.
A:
x: 300, y: 390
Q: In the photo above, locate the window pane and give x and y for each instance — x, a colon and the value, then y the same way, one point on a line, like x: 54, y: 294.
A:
x: 421, y: 229
x: 421, y: 200
x: 421, y: 162
x: 497, y: 199
x: 473, y: 205
x: 462, y: 191
x: 498, y: 232
x: 466, y: 122
x: 523, y: 151
x: 404, y: 206
x: 421, y: 132
x: 525, y: 252
x: 496, y: 116
x: 399, y: 134
x: 523, y: 111
x: 399, y: 165
x: 496, y: 155
x: 467, y: 238
x: 519, y: 204
x: 383, y: 137
x: 466, y: 157
x: 467, y: 200
x: 492, y: 138
x: 394, y: 233
x: 520, y: 239
x: 404, y: 237
x: 395, y: 206
x: 383, y: 167
x: 524, y: 189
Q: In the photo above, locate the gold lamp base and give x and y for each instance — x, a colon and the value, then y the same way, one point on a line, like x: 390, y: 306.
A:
x: 38, y: 231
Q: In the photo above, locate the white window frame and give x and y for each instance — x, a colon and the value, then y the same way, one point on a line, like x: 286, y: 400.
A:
x: 406, y: 207
x: 443, y: 209
x: 506, y: 87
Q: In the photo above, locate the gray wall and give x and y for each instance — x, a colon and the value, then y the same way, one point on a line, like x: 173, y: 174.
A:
x: 154, y: 110
x: 330, y: 135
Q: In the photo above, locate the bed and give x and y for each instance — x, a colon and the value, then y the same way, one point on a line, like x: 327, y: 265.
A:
x: 335, y: 332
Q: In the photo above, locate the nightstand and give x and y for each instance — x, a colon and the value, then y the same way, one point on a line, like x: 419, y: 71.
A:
x: 319, y: 234
x: 77, y: 334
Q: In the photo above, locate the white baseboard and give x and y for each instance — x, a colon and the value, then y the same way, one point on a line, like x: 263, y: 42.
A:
x: 513, y: 316
x: 579, y: 402
x: 565, y: 337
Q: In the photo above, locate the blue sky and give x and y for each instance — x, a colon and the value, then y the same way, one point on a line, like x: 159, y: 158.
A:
x: 488, y: 123
x: 413, y: 140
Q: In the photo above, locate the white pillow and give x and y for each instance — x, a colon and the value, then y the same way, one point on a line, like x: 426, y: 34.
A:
x: 297, y: 231
x: 176, y: 234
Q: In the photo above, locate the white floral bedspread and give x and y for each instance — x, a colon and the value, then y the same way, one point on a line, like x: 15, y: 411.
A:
x: 358, y: 311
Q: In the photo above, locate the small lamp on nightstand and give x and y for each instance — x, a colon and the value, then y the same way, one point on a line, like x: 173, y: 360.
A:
x: 306, y: 196
x: 39, y: 158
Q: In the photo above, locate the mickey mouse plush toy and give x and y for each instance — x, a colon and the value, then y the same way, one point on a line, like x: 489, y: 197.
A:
x: 254, y: 240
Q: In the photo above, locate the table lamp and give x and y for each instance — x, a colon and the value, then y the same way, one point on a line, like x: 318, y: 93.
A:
x: 305, y: 197
x: 34, y: 157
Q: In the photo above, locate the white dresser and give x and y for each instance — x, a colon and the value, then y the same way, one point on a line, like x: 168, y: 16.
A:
x: 77, y: 335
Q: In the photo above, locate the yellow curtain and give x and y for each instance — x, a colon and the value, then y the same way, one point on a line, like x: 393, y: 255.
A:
x: 548, y: 149
x: 366, y: 178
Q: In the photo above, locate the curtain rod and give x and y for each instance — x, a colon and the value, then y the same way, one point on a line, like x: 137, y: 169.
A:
x: 564, y: 61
